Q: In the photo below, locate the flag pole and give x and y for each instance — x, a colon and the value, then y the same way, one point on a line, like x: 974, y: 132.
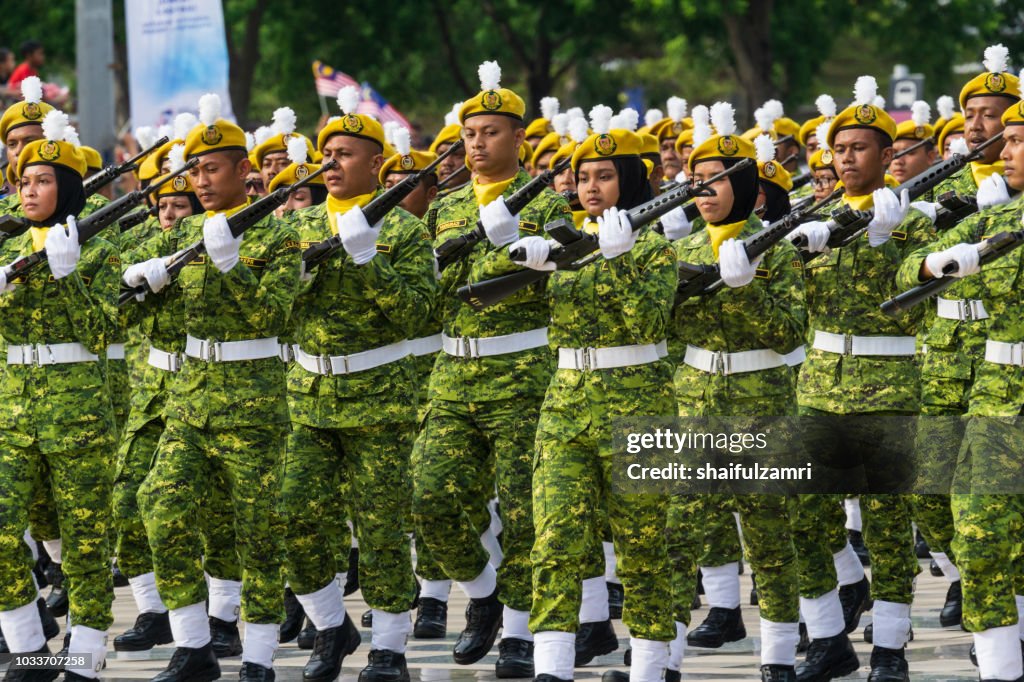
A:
x: 323, y: 104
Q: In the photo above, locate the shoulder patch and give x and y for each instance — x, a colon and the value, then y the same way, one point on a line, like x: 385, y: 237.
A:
x: 306, y: 245
x: 461, y: 222
x: 762, y: 273
x: 383, y: 248
x: 253, y: 262
x: 528, y: 226
x: 198, y: 261
x: 113, y: 260
x: 899, y: 234
x: 797, y: 264
x: 291, y: 245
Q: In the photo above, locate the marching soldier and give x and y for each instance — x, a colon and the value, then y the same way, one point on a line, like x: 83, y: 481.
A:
x: 668, y: 131
x: 20, y: 124
x: 270, y: 157
x: 453, y: 173
x: 915, y: 141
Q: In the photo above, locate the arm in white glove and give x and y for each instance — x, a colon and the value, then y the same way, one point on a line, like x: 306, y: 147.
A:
x: 615, y: 234
x: 889, y: 212
x: 63, y: 249
x: 992, y: 192
x: 964, y: 255
x: 220, y: 243
x: 501, y: 227
x: 927, y: 207
x: 676, y: 224
x: 817, y: 234
x: 4, y: 286
x: 357, y: 236
x: 734, y: 265
x: 537, y: 250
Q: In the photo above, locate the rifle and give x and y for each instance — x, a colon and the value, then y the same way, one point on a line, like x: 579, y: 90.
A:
x: 457, y: 248
x: 912, y: 148
x: 701, y: 280
x: 94, y: 183
x: 570, y: 195
x: 238, y: 223
x: 575, y: 245
x: 375, y: 210
x: 801, y: 180
x: 989, y: 250
x: 691, y: 211
x: 11, y: 226
x: 448, y: 179
x: 137, y: 218
x: 94, y: 223
x: 784, y: 139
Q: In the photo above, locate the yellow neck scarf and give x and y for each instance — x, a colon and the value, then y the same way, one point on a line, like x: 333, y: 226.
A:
x: 228, y: 213
x: 38, y: 237
x: 580, y: 219
x: 980, y: 171
x: 485, y: 194
x: 719, y: 233
x: 335, y: 206
x: 861, y: 203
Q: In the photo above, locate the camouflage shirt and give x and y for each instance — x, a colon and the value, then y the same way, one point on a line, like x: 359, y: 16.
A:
x: 348, y: 308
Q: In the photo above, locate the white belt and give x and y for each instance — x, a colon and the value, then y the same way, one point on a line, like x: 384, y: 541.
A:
x: 286, y: 352
x: 717, y: 362
x: 231, y: 351
x: 587, y: 359
x: 115, y: 351
x: 169, y: 362
x: 796, y: 356
x: 1003, y: 353
x: 49, y: 354
x: 425, y: 345
x: 848, y: 344
x: 961, y: 309
x: 328, y: 365
x: 468, y: 347
x: 662, y: 348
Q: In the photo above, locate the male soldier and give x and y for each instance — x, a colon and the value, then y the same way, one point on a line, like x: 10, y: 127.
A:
x: 226, y: 412
x: 270, y: 157
x: 453, y: 171
x: 544, y: 125
x: 667, y: 131
x: 918, y: 135
x: 348, y: 396
x: 485, y: 391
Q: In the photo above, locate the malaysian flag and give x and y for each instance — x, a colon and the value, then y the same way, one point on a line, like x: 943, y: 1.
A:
x: 329, y: 81
x: 378, y: 107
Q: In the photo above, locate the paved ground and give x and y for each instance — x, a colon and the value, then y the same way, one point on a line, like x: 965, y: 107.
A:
x: 935, y: 653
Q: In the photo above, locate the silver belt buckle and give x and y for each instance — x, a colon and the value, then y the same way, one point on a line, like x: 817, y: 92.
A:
x: 1017, y: 354
x: 175, y: 361
x: 284, y: 352
x: 203, y: 352
x: 965, y: 309
x: 972, y: 306
x: 39, y: 355
x: 722, y: 363
x: 847, y: 344
x: 323, y: 365
x: 468, y: 348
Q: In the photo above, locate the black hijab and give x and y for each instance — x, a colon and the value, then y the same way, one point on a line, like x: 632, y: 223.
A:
x: 744, y: 190
x: 776, y: 201
x: 70, y: 196
x: 634, y: 189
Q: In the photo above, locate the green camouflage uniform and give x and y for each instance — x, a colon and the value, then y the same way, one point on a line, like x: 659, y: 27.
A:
x: 225, y: 418
x: 57, y: 428
x: 767, y: 313
x: 361, y: 425
x: 483, y: 412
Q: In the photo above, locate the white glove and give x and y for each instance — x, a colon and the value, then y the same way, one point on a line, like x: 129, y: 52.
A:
x: 537, y: 250
x: 992, y: 192
x: 928, y: 208
x: 501, y: 227
x: 681, y: 177
x: 964, y: 255
x: 890, y: 211
x: 134, y: 275
x: 734, y: 267
x: 357, y: 236
x: 63, y: 249
x: 615, y: 234
x: 220, y: 243
x: 303, y: 275
x: 155, y: 272
x: 676, y: 224
x: 817, y: 234
x: 4, y: 286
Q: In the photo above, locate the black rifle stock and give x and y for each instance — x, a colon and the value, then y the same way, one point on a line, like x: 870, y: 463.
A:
x: 912, y: 148
x: 12, y: 226
x: 94, y: 183
x: 136, y: 218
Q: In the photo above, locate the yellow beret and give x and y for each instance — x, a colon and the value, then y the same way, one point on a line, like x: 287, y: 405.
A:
x: 649, y: 144
x: 939, y: 123
x: 667, y: 128
x: 51, y: 153
x: 1014, y: 115
x: 276, y: 143
x: 685, y: 139
x: 221, y: 135
x: 564, y: 152
x: 21, y: 114
x: 955, y: 124
x: 614, y: 144
x: 549, y: 143
x: 449, y: 134
x: 12, y: 177
x: 809, y: 128
x: 821, y: 159
x: 773, y: 172
x: 722, y: 147
x: 294, y: 172
x: 539, y: 127
x: 151, y: 165
x: 92, y: 158
x: 178, y: 186
x: 908, y: 130
x: 525, y: 152
x: 353, y: 125
x: 412, y: 162
x: 501, y: 102
x: 987, y: 84
x: 786, y: 126
x: 862, y: 116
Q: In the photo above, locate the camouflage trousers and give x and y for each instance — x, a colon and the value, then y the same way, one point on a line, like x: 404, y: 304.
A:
x: 188, y: 461
x: 721, y: 542
x: 79, y: 482
x: 373, y: 462
x: 120, y: 391
x: 818, y: 524
x: 217, y: 524
x: 457, y: 441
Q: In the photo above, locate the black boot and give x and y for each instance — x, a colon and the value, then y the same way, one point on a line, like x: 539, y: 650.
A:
x: 367, y: 618
x: 307, y: 637
x: 695, y: 604
x: 888, y: 665
x: 293, y: 615
x: 41, y: 568
x: 550, y: 678
x: 860, y: 549
x: 330, y: 648
x: 593, y: 640
x: 805, y: 642
x: 921, y: 547
x: 51, y: 628
x: 935, y: 569
x: 609, y: 676
x: 483, y: 619
x: 149, y: 630
x: 721, y: 626
x: 431, y: 619
x: 673, y: 675
x: 753, y: 590
x: 627, y: 657
x: 856, y: 599
x: 72, y: 676
x: 352, y: 575
x: 26, y: 675
x: 700, y: 581
x: 385, y: 666
x: 224, y: 638
x: 515, y: 659
x: 57, y: 600
x: 254, y: 672
x: 191, y: 665
x: 120, y: 579
x: 828, y: 658
x: 616, y: 597
x: 953, y: 610
x: 869, y: 633
x: 778, y: 673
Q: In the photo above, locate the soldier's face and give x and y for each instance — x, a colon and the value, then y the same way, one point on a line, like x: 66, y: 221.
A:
x: 824, y: 182
x: 684, y: 158
x: 170, y: 209
x: 300, y: 198
x: 492, y: 144
x: 1013, y: 155
x: 784, y: 151
x: 273, y: 163
x: 714, y: 209
x: 418, y: 201
x: 359, y: 162
x: 21, y: 136
x: 948, y: 141
x: 860, y: 160
x: 565, y: 181
x: 670, y: 160
x: 812, y: 146
x: 542, y: 163
x: 453, y: 163
x: 982, y: 120
x: 219, y: 180
x: 912, y: 163
x: 598, y: 186
x: 254, y: 186
x: 38, y: 191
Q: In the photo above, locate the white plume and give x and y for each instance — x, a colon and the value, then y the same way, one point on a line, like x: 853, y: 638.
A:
x: 54, y: 125
x: 774, y: 107
x: 995, y: 58
x: 452, y: 117
x: 701, y: 125
x: 145, y: 136
x: 575, y: 112
x: 959, y: 146
x: 652, y: 116
x: 389, y: 131
x: 560, y: 124
x: 601, y: 119
x: 32, y: 89
x: 297, y: 150
x: 765, y: 148
x: 165, y: 131
x: 723, y: 118
x: 549, y: 107
x: 250, y: 141
x: 332, y: 119
x: 865, y: 90
x: 615, y: 122
x: 348, y: 99
x: 71, y: 136
x: 945, y: 106
x: 490, y: 76
x: 183, y: 123
x: 401, y: 141
x: 578, y: 129
x: 879, y: 102
x: 821, y: 132
x: 262, y: 134
x: 177, y: 157
x: 676, y: 108
x: 284, y: 121
x: 826, y: 105
x: 209, y: 108
x: 701, y: 114
x: 629, y: 118
x: 920, y: 112
x: 764, y: 118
